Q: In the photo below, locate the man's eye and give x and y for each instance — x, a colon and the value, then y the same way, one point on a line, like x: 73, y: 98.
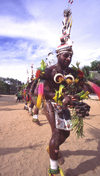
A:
x: 65, y: 55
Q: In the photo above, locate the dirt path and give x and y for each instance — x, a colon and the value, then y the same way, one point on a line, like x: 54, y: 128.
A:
x: 23, y: 143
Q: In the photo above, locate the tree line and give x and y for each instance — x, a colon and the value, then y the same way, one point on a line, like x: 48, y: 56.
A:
x: 90, y: 71
x: 9, y: 85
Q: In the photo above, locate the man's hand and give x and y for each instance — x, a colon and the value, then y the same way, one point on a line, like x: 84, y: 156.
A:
x: 82, y: 109
x: 66, y: 101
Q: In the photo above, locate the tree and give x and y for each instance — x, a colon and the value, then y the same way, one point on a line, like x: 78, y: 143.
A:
x: 9, y: 85
x: 86, y: 70
x: 95, y: 66
x: 4, y: 88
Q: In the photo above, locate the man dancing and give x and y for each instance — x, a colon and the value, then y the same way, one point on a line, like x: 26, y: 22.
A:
x: 62, y: 86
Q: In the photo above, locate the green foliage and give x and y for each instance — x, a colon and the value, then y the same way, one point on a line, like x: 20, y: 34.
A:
x: 43, y: 65
x: 77, y: 64
x: 4, y: 88
x: 76, y: 67
x: 77, y: 124
x: 9, y: 85
x: 86, y: 70
x: 95, y: 65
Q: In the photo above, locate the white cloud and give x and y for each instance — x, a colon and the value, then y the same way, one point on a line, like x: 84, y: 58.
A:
x: 85, y: 55
x: 39, y: 30
x: 45, y: 30
x: 16, y: 71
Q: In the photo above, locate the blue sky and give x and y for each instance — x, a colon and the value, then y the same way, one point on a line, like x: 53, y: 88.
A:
x: 30, y: 29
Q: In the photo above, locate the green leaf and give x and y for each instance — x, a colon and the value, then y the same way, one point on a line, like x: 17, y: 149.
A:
x: 43, y: 65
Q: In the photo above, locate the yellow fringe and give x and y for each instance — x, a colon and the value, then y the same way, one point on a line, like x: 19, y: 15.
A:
x: 61, y: 172
x: 39, y: 99
x: 47, y: 149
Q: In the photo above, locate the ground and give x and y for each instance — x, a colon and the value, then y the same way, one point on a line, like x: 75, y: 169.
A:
x: 23, y: 143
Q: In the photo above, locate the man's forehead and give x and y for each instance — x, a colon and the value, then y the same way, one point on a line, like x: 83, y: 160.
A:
x: 66, y: 54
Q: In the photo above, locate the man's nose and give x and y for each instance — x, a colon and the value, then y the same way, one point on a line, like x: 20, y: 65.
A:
x: 68, y: 58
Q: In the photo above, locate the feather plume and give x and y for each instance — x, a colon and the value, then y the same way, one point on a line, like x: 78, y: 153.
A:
x: 95, y: 88
x: 40, y: 94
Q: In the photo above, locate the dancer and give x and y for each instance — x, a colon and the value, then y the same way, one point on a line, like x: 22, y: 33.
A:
x: 33, y: 95
x: 63, y: 87
x: 56, y: 107
x: 36, y: 92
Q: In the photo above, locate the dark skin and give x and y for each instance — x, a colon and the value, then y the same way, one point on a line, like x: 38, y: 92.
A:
x: 58, y: 136
x: 32, y: 94
x: 26, y: 98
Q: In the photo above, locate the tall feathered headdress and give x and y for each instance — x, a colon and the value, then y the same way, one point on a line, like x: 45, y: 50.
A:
x: 66, y: 43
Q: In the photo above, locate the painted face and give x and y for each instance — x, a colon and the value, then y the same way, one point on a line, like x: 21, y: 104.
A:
x: 64, y: 59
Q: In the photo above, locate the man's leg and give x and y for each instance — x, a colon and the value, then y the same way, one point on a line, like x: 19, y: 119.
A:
x: 58, y: 137
x: 35, y: 112
x: 30, y: 108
